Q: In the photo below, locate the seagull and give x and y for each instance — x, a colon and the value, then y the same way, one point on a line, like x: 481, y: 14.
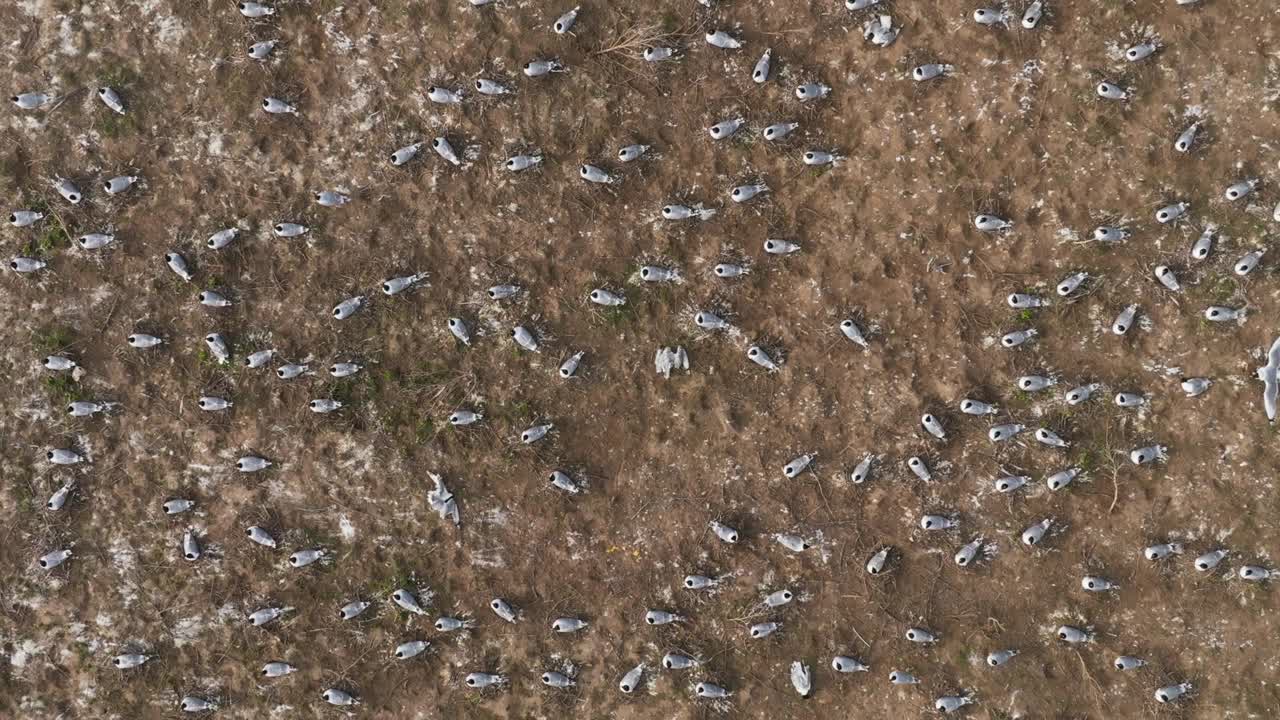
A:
x: 442, y: 501
x: 1267, y: 374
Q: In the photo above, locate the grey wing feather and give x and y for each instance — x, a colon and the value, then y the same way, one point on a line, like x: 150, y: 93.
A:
x: 1269, y: 393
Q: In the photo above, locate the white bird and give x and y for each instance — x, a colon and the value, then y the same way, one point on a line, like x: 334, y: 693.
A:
x: 25, y: 218
x: 851, y: 330
x: 129, y: 660
x: 591, y: 173
x: 211, y: 298
x: 516, y: 163
x: 276, y: 106
x: 26, y: 265
x: 780, y: 247
x: 801, y: 679
x: 723, y: 40
x: 260, y: 536
x: 1110, y: 91
x: 950, y: 703
x: 525, y: 338
x: 778, y: 131
x: 111, y: 99
x: 989, y: 16
x: 726, y: 128
x: 760, y: 357
x: 1031, y: 17
x: 566, y: 21
x: 442, y: 501
x: 459, y: 329
x: 405, y: 154
x: 1267, y: 374
x: 444, y: 96
x: 445, y: 150
x: 348, y: 307
x: 538, y: 68
x: 743, y: 193
x: 344, y: 369
x: 846, y: 664
x: 262, y: 50
x: 1254, y: 573
x: 658, y: 54
x: 667, y: 359
x: 330, y: 198
x: 256, y: 10
x: 880, y: 31
x: 1170, y: 693
x: 811, y: 91
x: 760, y: 73
x: 1110, y: 234
x: 277, y: 669
x: 631, y: 680
x: 323, y: 406
x: 991, y: 223
x: 685, y: 212
x: 1128, y: 662
x: 1172, y: 212
x: 821, y: 157
x: 335, y: 696
x: 1187, y: 138
x: 68, y: 191
x: 1167, y: 278
x: 31, y: 100
x: 485, y: 86
x: 632, y: 152
x: 193, y: 704
x: 397, y: 285
x: 222, y: 238
x: 1240, y: 189
x: 59, y: 498
x: 289, y: 229
x: 1141, y: 51
x: 95, y: 241
x: 930, y: 71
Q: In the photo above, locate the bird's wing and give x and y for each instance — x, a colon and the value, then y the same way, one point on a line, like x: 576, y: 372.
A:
x: 1269, y: 394
x: 1273, y: 355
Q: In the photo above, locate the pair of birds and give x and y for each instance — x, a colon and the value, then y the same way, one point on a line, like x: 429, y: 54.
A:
x: 38, y: 100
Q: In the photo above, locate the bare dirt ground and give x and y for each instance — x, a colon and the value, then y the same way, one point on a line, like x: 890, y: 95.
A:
x: 886, y: 236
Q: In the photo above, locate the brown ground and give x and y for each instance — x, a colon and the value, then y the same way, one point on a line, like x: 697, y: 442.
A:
x: 886, y: 236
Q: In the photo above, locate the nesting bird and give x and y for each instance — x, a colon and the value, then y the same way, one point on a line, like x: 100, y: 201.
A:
x: 723, y: 40
x: 1032, y: 15
x: 111, y: 98
x: 760, y: 73
x: 778, y: 131
x: 930, y: 71
x: 1111, y: 91
x: 809, y: 92
x: 565, y: 22
x: 31, y: 100
x: 485, y: 86
x: 1187, y: 138
x: 743, y: 193
x: 276, y: 106
x: 541, y: 68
